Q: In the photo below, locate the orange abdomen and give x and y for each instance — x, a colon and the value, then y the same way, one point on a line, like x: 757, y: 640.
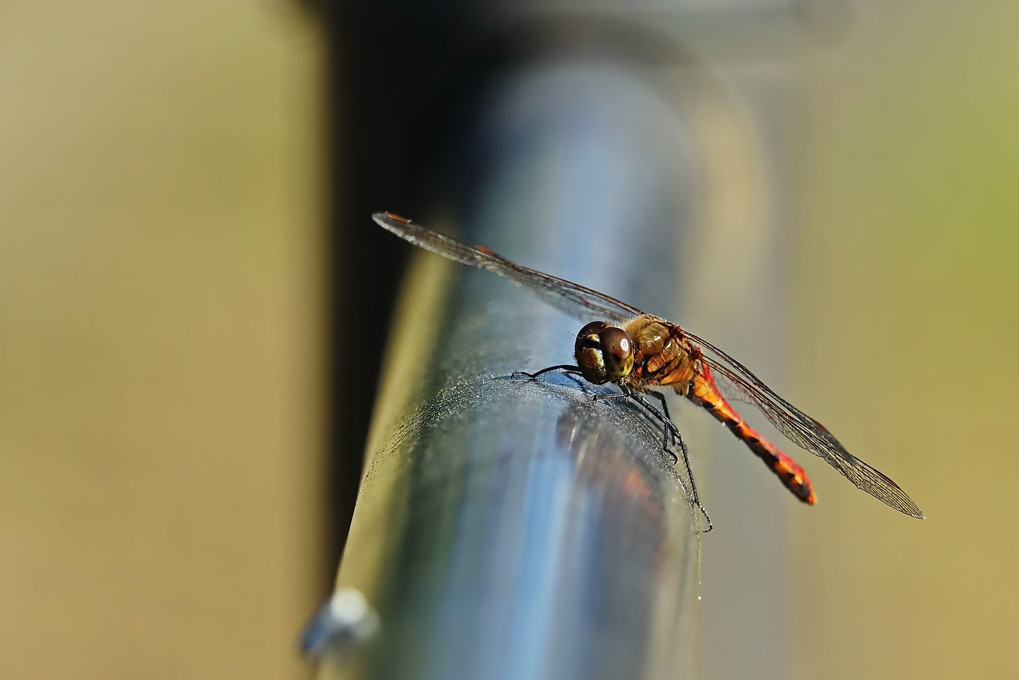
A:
x: 704, y: 392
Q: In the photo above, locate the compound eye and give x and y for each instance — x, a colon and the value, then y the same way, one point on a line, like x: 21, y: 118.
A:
x: 617, y: 352
x: 604, y: 353
x: 588, y: 351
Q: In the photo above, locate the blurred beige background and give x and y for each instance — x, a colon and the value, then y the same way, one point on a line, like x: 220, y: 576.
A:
x: 160, y: 362
x: 161, y: 297
x: 907, y: 305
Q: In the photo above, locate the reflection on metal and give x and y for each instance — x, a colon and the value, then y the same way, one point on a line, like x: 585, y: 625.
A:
x: 343, y: 624
x: 531, y: 532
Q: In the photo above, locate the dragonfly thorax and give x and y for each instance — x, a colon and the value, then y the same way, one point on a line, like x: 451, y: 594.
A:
x: 663, y: 356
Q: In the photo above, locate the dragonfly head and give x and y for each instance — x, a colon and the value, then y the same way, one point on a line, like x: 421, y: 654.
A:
x: 604, y: 353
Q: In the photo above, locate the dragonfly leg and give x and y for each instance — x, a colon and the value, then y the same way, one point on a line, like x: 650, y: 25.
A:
x: 565, y: 368
x: 670, y: 428
x: 670, y: 433
x: 571, y: 371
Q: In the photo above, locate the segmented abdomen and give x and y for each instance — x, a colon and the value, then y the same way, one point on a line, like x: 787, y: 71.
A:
x: 704, y: 392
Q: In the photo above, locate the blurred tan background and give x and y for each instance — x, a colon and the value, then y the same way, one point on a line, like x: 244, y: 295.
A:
x: 161, y: 361
x: 906, y: 297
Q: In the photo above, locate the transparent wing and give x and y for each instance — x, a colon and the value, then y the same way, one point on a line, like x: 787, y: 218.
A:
x: 578, y: 301
x: 737, y: 381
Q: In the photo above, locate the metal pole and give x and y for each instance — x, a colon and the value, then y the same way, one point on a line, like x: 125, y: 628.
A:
x: 513, y: 528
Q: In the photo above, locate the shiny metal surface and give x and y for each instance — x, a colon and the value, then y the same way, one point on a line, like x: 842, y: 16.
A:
x: 533, y: 542
x: 510, y: 527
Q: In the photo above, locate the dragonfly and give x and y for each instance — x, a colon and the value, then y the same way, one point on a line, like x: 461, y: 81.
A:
x: 642, y: 353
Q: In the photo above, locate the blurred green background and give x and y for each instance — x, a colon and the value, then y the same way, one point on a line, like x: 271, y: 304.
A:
x: 162, y: 354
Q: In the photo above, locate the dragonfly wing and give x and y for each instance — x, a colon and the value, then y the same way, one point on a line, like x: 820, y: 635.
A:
x: 801, y: 429
x: 578, y: 301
